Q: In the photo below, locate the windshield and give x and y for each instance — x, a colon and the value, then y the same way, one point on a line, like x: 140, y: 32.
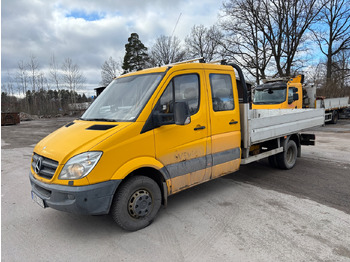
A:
x: 123, y: 99
x: 269, y: 96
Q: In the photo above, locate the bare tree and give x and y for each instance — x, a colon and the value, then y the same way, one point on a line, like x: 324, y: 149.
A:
x: 9, y: 87
x: 333, y: 32
x: 166, y: 50
x: 33, y: 66
x: 341, y: 73
x: 204, y: 42
x: 72, y: 78
x: 244, y: 42
x: 54, y: 72
x: 284, y: 23
x: 109, y: 70
x: 41, y: 82
x: 22, y: 77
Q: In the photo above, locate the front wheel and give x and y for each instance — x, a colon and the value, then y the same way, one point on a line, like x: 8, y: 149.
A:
x: 288, y: 158
x: 136, y: 203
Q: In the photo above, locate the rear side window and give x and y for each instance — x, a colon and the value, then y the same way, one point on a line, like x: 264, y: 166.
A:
x: 183, y: 88
x: 222, y: 93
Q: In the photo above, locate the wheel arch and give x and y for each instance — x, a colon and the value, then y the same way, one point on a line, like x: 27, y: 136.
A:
x: 149, y: 167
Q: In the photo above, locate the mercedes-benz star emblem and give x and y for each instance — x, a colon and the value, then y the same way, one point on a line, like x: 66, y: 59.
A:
x: 38, y: 165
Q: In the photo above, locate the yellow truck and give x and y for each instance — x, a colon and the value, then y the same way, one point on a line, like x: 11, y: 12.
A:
x: 289, y: 93
x: 279, y: 93
x: 156, y: 132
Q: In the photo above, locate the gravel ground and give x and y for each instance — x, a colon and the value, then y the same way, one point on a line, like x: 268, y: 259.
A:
x: 256, y: 214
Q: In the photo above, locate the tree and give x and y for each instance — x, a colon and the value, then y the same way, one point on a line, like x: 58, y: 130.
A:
x: 135, y: 54
x: 245, y: 43
x: 276, y: 27
x: 54, y: 72
x: 204, y: 42
x: 22, y: 77
x: 109, y: 71
x: 166, y: 50
x: 33, y: 66
x: 333, y: 34
x: 41, y: 82
x: 340, y: 75
x: 72, y: 77
x: 284, y: 23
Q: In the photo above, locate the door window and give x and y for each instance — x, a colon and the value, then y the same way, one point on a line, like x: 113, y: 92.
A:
x: 183, y: 88
x: 222, y: 94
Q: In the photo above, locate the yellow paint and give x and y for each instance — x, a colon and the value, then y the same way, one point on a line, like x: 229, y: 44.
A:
x: 125, y: 148
x: 225, y: 168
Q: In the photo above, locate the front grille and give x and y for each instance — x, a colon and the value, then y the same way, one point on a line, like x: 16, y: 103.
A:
x: 43, y: 166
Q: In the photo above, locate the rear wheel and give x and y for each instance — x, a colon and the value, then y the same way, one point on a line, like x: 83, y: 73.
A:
x: 136, y: 203
x: 335, y: 117
x: 288, y: 158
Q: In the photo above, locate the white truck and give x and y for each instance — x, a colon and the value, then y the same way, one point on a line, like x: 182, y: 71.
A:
x: 333, y: 107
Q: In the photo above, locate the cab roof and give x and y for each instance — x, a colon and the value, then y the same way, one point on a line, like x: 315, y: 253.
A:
x: 180, y: 66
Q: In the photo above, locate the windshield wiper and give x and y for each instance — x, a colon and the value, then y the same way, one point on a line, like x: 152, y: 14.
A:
x: 98, y: 119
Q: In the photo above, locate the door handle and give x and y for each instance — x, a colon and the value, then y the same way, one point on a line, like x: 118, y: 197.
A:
x: 199, y: 127
x: 233, y: 122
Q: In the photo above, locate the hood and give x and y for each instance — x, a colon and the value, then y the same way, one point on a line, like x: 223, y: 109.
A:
x: 75, y: 138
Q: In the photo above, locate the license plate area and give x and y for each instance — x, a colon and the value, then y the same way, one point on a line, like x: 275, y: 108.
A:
x: 38, y: 200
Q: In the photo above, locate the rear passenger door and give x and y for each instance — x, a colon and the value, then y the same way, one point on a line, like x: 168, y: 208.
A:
x: 224, y: 121
x: 182, y: 149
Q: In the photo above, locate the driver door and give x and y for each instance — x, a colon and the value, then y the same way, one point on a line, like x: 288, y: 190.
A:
x: 182, y: 149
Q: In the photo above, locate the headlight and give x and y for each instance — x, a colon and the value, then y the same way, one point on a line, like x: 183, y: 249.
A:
x: 80, y: 166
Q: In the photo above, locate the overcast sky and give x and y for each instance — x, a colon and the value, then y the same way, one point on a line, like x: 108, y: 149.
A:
x: 89, y: 32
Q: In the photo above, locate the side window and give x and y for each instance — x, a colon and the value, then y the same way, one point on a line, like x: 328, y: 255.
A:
x: 166, y: 100
x: 222, y: 93
x: 183, y: 88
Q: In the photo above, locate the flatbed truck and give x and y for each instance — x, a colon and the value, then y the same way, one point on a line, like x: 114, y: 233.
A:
x: 156, y: 132
x: 290, y: 93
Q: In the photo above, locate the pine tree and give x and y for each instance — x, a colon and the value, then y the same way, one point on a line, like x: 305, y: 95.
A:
x: 135, y: 54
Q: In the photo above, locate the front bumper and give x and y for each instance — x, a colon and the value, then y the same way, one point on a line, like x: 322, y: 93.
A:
x: 93, y: 199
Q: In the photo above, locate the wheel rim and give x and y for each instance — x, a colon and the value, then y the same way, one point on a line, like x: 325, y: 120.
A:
x: 290, y: 155
x: 140, y: 204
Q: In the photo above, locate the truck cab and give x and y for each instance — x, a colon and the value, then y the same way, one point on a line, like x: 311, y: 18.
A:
x: 279, y: 94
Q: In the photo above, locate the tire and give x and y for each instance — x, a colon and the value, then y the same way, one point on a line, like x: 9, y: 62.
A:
x: 335, y: 117
x: 288, y: 158
x: 136, y: 203
x: 273, y: 161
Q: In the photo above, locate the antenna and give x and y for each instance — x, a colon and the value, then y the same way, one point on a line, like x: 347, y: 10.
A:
x: 175, y: 26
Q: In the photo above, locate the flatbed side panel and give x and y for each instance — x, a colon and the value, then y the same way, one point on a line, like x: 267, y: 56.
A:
x: 333, y: 103
x: 264, y: 126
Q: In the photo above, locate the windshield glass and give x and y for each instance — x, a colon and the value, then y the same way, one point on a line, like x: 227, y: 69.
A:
x: 123, y: 99
x: 269, y: 96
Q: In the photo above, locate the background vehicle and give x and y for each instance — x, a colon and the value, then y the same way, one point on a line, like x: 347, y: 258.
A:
x: 156, y: 132
x: 289, y: 93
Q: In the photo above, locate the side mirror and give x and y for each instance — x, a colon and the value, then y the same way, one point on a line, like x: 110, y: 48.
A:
x: 290, y: 99
x: 182, y: 113
x: 295, y: 96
